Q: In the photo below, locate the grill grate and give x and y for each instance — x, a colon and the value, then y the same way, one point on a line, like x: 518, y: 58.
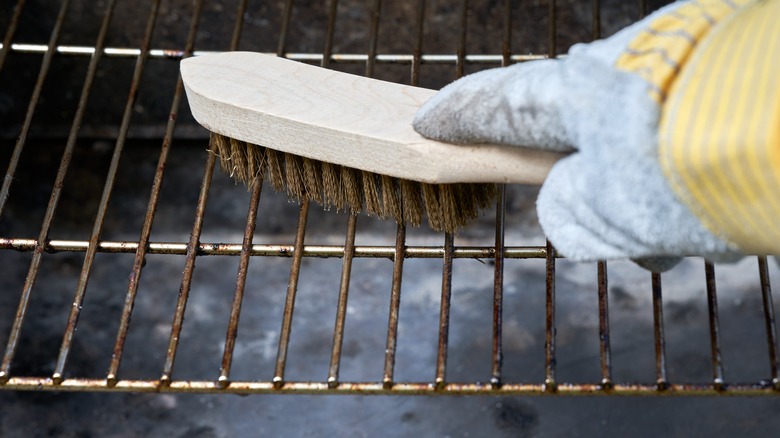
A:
x: 399, y: 249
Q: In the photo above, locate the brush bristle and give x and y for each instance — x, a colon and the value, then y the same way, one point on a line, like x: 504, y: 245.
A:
x: 448, y: 207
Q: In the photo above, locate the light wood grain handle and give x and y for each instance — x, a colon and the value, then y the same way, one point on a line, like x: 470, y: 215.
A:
x: 341, y: 118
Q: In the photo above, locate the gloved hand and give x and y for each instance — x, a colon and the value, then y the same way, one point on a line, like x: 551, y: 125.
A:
x: 674, y: 127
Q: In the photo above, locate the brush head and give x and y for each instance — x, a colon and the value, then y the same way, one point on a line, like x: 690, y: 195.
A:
x: 346, y: 141
x: 447, y: 207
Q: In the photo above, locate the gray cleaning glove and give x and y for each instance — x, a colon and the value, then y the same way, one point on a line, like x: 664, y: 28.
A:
x: 624, y: 192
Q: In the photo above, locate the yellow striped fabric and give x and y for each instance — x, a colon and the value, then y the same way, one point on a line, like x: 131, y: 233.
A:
x: 719, y: 135
x: 661, y: 49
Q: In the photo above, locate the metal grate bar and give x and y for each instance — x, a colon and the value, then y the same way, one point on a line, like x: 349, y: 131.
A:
x: 246, y: 246
x: 81, y: 287
x: 552, y: 31
x: 281, y: 48
x: 550, y: 385
x: 369, y: 388
x: 506, y: 42
x: 10, y: 31
x: 658, y: 333
x: 642, y: 8
x: 395, y: 303
x: 769, y: 320
x: 417, y: 55
x: 341, y: 309
x: 189, y: 268
x: 289, y: 303
x: 123, y: 130
x: 327, y: 52
x: 229, y: 249
x: 36, y: 95
x: 238, y: 295
x: 340, y: 58
x: 712, y: 307
x: 604, y: 346
x: 135, y: 276
x: 373, y: 38
x: 461, y: 50
x: 498, y: 289
x: 596, y: 19
x: 444, y: 312
x: 498, y: 260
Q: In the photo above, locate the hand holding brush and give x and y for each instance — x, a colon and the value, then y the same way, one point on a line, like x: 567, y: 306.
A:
x: 665, y: 136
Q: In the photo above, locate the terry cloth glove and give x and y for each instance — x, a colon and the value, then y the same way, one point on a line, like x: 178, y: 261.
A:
x: 674, y: 125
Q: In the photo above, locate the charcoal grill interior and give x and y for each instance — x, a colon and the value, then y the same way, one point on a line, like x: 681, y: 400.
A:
x: 131, y: 263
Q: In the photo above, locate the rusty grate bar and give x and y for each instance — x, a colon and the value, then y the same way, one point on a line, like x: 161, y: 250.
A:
x: 289, y: 303
x: 341, y: 309
x: 249, y: 231
x: 152, y: 209
x: 371, y: 388
x: 339, y: 58
x: 769, y: 321
x: 550, y: 385
x: 444, y: 312
x: 498, y: 289
x: 596, y: 19
x: 498, y: 271
x: 658, y: 333
x: 605, y: 351
x: 225, y: 249
x: 718, y: 381
x: 552, y: 30
x: 238, y: 295
x: 9, y: 33
x: 243, y: 268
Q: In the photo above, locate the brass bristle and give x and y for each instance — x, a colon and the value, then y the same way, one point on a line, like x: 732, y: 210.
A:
x: 312, y: 179
x: 333, y: 190
x: 449, y: 209
x: 466, y: 204
x: 447, y: 206
x: 391, y: 203
x: 293, y: 172
x: 371, y: 194
x: 411, y: 201
x: 353, y: 188
x: 486, y: 194
x: 431, y: 205
x: 220, y: 145
x: 238, y: 156
x: 255, y: 158
x: 275, y: 169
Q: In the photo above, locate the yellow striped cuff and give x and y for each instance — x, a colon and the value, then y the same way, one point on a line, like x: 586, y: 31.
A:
x: 659, y: 51
x: 719, y: 135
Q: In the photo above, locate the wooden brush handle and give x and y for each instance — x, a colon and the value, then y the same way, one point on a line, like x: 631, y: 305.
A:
x: 343, y: 119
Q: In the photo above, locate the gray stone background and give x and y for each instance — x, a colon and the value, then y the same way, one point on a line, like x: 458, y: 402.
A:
x: 33, y: 414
